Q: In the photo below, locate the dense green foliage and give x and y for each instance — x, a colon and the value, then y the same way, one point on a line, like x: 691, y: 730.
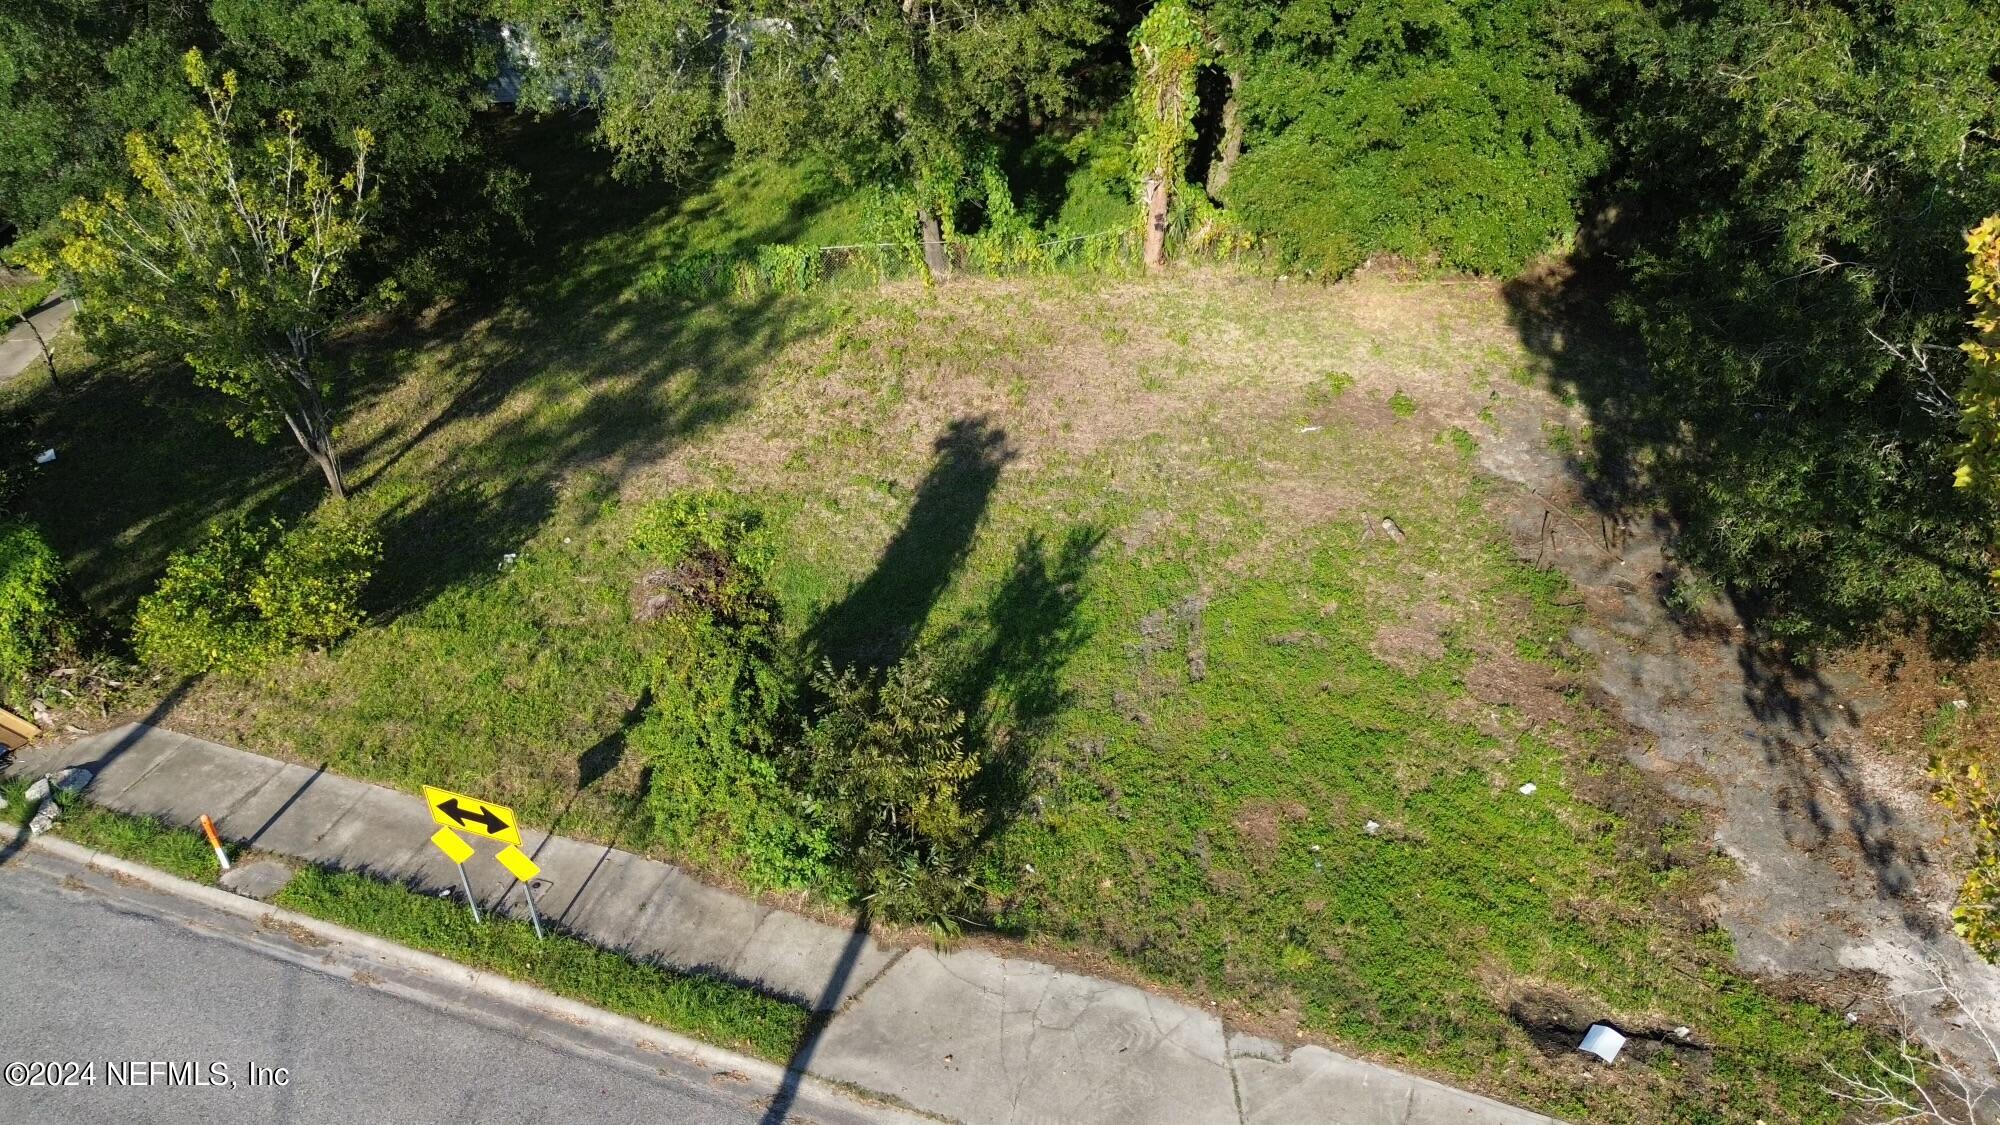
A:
x: 232, y: 255
x: 904, y: 94
x: 248, y: 594
x: 34, y: 621
x: 1441, y: 132
x: 77, y: 75
x: 886, y: 764
x: 1804, y: 174
x: 719, y: 691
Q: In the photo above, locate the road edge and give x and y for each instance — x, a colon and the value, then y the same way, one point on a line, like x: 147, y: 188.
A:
x: 493, y: 986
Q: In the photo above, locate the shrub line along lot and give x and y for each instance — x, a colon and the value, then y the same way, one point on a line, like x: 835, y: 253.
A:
x: 1208, y: 555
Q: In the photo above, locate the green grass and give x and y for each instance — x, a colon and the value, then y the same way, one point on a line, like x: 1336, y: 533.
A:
x: 177, y: 851
x: 18, y: 810
x: 705, y: 1008
x: 1193, y: 679
x: 708, y: 1009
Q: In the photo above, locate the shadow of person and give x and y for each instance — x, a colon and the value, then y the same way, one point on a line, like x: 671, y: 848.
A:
x: 877, y: 622
x: 604, y: 757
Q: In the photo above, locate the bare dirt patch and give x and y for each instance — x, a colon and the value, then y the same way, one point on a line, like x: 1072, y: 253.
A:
x: 1533, y: 689
x: 1260, y: 825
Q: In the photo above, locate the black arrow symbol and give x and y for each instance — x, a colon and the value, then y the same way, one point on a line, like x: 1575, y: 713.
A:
x: 464, y: 816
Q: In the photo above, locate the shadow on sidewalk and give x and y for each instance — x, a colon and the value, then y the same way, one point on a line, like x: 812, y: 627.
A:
x: 816, y: 1024
x: 117, y: 751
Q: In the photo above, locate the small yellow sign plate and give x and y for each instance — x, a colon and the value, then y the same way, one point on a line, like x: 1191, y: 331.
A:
x: 517, y: 861
x: 483, y: 818
x: 452, y: 845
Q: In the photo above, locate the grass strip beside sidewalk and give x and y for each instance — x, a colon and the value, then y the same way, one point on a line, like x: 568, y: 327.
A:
x: 715, y: 1011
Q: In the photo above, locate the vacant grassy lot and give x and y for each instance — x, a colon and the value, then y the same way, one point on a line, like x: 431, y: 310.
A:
x: 1210, y: 559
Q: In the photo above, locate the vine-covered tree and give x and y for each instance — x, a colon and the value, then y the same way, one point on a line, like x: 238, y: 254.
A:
x: 1446, y: 132
x: 892, y: 91
x: 1167, y: 48
x: 231, y: 254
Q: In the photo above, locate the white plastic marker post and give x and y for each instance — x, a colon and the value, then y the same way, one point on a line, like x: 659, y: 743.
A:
x: 524, y: 869
x: 458, y: 851
x: 214, y: 841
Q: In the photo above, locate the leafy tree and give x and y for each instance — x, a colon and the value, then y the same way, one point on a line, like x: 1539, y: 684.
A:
x: 886, y: 763
x: 1167, y: 48
x: 232, y: 256
x: 897, y: 92
x: 76, y: 76
x: 1979, y: 396
x: 1798, y: 176
x: 1440, y: 131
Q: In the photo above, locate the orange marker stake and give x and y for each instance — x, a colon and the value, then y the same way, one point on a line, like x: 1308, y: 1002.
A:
x: 208, y: 829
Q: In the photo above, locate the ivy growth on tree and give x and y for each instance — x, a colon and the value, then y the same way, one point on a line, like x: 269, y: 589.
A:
x: 1167, y: 48
x: 231, y: 255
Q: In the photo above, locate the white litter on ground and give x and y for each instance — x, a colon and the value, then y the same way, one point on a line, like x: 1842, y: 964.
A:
x: 45, y: 456
x: 1527, y: 790
x: 1602, y: 1042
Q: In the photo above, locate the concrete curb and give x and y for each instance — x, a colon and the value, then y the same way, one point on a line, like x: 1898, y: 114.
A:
x: 503, y: 989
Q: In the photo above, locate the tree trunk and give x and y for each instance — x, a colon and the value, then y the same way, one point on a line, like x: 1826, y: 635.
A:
x: 48, y: 357
x: 328, y: 460
x: 308, y: 423
x: 1232, y: 140
x: 1156, y: 221
x: 932, y: 233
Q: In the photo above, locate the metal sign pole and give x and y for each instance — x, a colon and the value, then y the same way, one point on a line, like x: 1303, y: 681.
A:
x: 469, y: 900
x: 534, y: 915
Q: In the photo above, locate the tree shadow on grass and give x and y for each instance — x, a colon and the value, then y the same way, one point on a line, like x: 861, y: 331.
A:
x: 875, y: 625
x: 143, y: 464
x: 1005, y: 663
x: 544, y: 416
x: 566, y: 374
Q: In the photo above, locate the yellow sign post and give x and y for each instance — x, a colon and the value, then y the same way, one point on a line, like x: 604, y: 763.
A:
x: 516, y: 861
x: 482, y: 818
x: 458, y: 851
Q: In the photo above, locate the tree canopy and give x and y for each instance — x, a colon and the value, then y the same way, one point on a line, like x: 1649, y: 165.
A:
x: 1444, y: 132
x: 232, y: 255
x: 890, y: 92
x: 1801, y: 176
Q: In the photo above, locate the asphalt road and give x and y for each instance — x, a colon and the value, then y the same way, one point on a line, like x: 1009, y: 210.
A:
x: 88, y: 979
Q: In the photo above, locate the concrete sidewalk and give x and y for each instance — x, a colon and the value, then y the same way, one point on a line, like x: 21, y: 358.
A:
x: 18, y: 349
x: 966, y: 1035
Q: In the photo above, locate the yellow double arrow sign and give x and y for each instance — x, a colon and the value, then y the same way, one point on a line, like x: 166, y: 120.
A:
x: 483, y: 818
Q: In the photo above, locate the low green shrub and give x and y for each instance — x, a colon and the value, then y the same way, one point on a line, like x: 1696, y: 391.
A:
x: 720, y: 692
x: 308, y: 590
x: 33, y: 620
x: 886, y: 765
x: 247, y: 594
